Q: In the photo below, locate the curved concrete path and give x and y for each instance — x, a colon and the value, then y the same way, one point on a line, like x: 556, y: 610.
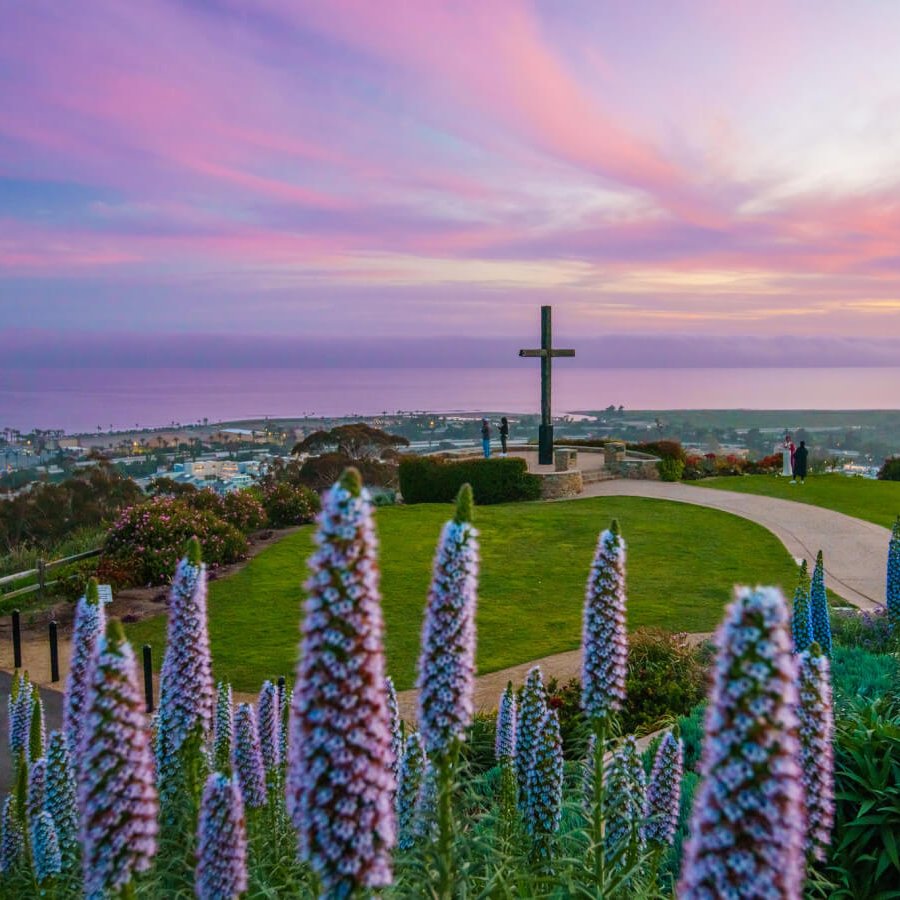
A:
x: 855, y: 554
x: 855, y: 551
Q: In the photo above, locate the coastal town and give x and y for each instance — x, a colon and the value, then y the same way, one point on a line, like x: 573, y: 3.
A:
x: 228, y: 456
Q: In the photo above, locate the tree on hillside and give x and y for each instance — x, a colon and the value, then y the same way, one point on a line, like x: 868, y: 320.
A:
x: 356, y: 441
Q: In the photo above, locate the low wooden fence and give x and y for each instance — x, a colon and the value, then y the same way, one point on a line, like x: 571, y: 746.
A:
x: 40, y: 573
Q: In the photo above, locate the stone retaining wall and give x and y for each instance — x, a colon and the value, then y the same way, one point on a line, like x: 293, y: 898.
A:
x: 561, y: 485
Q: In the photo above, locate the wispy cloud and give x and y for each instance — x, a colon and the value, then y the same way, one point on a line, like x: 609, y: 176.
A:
x: 400, y: 169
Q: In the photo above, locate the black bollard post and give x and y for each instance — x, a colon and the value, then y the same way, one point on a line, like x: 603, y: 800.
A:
x: 148, y: 677
x: 17, y: 640
x: 54, y: 653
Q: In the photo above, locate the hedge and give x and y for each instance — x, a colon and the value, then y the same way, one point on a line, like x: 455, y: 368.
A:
x: 430, y: 480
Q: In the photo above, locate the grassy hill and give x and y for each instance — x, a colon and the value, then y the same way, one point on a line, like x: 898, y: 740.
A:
x: 682, y: 563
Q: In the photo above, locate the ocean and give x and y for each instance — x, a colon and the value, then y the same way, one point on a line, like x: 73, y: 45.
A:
x: 79, y: 400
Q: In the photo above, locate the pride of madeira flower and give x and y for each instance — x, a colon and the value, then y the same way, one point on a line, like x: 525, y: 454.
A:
x: 447, y: 661
x: 604, y: 643
x: 816, y: 716
x: 505, y: 742
x: 90, y: 622
x: 748, y: 825
x: 801, y: 617
x: 221, y: 841
x: 664, y: 792
x: 116, y: 786
x: 186, y: 693
x: 340, y: 771
x: 818, y: 607
x: 893, y: 576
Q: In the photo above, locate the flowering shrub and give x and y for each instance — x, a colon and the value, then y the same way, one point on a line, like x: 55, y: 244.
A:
x: 148, y: 539
x: 244, y: 510
x: 869, y: 629
x: 290, y: 504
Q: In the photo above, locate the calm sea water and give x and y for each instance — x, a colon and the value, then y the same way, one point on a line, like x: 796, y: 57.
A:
x: 80, y: 400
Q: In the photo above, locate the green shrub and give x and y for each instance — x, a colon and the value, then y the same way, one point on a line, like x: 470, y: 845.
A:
x: 663, y: 449
x: 147, y: 541
x: 864, y: 858
x: 430, y: 480
x: 691, y: 727
x: 890, y: 469
x: 670, y: 469
x: 666, y: 678
x: 870, y: 630
x: 856, y: 673
x: 290, y: 504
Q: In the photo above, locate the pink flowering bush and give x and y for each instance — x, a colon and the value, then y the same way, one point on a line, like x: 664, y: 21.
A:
x: 290, y: 504
x: 148, y: 540
x: 244, y: 510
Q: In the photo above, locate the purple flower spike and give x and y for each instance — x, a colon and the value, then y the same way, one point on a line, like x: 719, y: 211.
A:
x: 748, y: 826
x: 604, y: 643
x: 267, y: 720
x: 37, y: 739
x: 664, y: 792
x: 818, y: 607
x: 116, y: 787
x: 544, y: 782
x: 247, y: 760
x: 893, y: 576
x: 37, y: 788
x: 626, y: 787
x: 801, y: 617
x: 45, y: 848
x: 340, y: 773
x: 446, y: 679
x: 505, y: 744
x: 221, y: 841
x: 90, y: 623
x: 530, y: 716
x: 816, y: 716
x: 396, y: 728
x: 186, y: 693
x: 409, y: 790
x: 223, y: 733
x: 60, y: 799
x: 20, y: 706
x: 12, y: 846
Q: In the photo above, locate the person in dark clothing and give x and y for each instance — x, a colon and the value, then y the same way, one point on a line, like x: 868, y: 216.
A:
x: 486, y: 438
x: 801, y: 455
x: 504, y: 435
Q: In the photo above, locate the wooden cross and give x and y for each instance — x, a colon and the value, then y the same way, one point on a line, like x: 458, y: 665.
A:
x: 546, y: 354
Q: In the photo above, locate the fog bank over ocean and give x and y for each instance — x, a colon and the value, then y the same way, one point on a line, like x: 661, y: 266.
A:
x: 81, y: 398
x: 43, y: 349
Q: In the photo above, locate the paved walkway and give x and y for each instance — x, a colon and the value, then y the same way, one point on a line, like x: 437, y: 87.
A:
x: 855, y: 551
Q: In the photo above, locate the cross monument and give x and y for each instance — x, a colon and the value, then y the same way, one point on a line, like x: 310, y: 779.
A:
x: 546, y: 354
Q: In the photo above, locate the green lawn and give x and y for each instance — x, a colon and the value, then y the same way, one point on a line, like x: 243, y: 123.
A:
x: 683, y: 561
x: 875, y: 501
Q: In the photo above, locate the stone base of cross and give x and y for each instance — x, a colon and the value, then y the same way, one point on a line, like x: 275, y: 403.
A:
x: 546, y: 354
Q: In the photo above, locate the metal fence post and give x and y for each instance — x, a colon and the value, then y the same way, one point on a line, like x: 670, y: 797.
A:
x: 17, y: 640
x: 148, y: 677
x: 54, y: 653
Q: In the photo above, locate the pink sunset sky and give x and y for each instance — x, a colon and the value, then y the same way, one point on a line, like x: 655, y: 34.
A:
x: 416, y: 168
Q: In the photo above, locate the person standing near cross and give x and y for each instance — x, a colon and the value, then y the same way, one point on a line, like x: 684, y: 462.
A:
x: 546, y: 354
